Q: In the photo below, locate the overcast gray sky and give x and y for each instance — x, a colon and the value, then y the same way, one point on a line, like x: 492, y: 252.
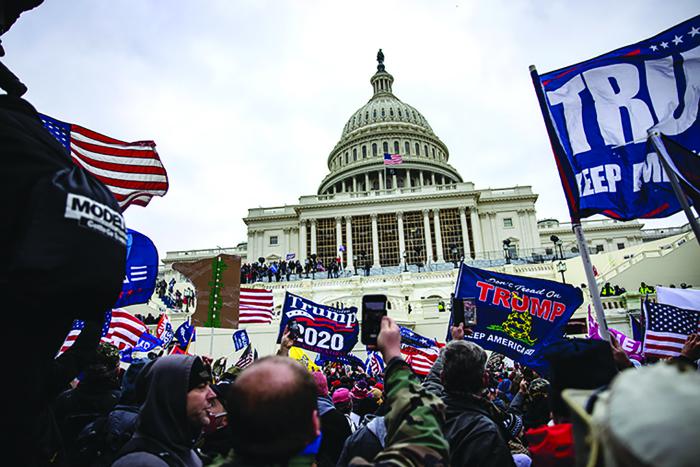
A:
x: 245, y: 99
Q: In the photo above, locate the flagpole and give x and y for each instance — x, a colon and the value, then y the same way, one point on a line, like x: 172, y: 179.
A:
x: 575, y: 221
x: 665, y: 160
x: 592, y: 284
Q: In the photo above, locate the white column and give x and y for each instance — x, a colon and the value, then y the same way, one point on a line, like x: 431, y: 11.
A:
x: 494, y: 235
x: 438, y: 236
x: 313, y: 236
x: 367, y: 187
x: 426, y: 234
x: 476, y: 231
x: 354, y: 184
x: 338, y: 235
x: 252, y: 244
x: 420, y: 178
x: 525, y: 231
x: 261, y: 242
x: 302, y: 241
x: 402, y: 240
x: 285, y: 241
x: 348, y: 240
x: 532, y: 220
x: 382, y: 185
x: 375, y: 241
x: 465, y: 232
x: 393, y: 181
x: 408, y: 179
x: 432, y: 177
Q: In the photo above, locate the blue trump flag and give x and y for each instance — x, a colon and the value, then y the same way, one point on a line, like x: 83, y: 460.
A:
x: 141, y: 270
x: 240, y: 339
x: 598, y: 114
x: 413, y: 339
x: 185, y: 334
x: 324, y: 329
x: 147, y: 342
x: 517, y: 316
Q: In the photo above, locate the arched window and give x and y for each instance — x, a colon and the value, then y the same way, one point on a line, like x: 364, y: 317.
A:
x: 396, y: 147
x: 367, y: 115
x: 354, y: 154
x: 386, y: 147
x: 433, y: 153
x: 364, y: 152
x: 425, y: 150
x: 417, y: 149
x: 391, y: 112
x: 374, y: 113
x: 346, y: 157
x: 383, y: 113
x: 407, y: 147
x: 400, y: 116
x: 374, y: 149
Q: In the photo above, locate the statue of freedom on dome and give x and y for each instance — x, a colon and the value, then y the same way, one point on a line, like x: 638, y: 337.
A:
x: 380, y: 60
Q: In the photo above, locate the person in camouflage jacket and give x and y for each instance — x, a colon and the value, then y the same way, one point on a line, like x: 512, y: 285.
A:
x: 414, y: 422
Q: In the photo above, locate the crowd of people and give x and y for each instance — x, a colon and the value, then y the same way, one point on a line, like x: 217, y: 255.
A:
x: 471, y: 409
x: 173, y: 298
x: 277, y: 271
x: 615, y: 290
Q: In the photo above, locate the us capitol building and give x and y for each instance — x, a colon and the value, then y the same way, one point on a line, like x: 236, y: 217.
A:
x: 413, y: 222
x: 419, y: 213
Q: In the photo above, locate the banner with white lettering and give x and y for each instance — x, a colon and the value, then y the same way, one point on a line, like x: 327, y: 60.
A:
x: 141, y: 270
x: 517, y: 316
x: 324, y: 329
x: 598, y: 114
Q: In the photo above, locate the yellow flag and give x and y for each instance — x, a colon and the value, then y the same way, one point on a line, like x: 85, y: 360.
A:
x: 300, y: 356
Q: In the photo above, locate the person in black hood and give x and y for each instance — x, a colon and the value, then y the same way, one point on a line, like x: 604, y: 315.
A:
x: 176, y: 409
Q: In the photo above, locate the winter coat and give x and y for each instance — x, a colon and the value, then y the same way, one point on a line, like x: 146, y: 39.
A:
x: 335, y: 430
x: 163, y: 424
x: 366, y: 442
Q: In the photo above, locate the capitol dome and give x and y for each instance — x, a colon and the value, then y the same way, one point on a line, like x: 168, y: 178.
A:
x: 386, y: 125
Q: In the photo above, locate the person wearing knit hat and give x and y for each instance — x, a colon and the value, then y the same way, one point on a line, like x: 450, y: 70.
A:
x: 343, y: 402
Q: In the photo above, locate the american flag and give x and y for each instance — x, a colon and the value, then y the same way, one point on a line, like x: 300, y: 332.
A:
x: 255, y: 306
x: 420, y: 360
x: 73, y: 334
x: 375, y: 364
x: 667, y: 328
x: 247, y: 358
x: 122, y: 329
x: 392, y: 159
x: 133, y: 172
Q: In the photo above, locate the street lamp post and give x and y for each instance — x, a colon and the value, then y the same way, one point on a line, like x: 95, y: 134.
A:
x: 561, y: 267
x: 454, y: 252
x: 405, y: 261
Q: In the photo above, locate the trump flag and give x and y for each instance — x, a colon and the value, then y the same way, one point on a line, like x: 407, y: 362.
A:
x: 598, y: 114
x: 517, y: 316
x: 141, y: 270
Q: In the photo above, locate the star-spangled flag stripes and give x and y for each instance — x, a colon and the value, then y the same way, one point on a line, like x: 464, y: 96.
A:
x: 75, y: 330
x: 246, y: 359
x: 667, y: 328
x: 374, y: 366
x: 420, y: 360
x: 392, y: 159
x: 255, y: 306
x: 123, y: 329
x: 119, y: 328
x: 132, y: 171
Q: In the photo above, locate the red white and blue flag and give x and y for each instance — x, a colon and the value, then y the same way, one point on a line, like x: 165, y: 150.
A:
x: 667, y: 328
x: 598, y: 114
x: 420, y: 360
x: 255, y: 306
x: 132, y: 171
x: 120, y: 328
x: 392, y: 159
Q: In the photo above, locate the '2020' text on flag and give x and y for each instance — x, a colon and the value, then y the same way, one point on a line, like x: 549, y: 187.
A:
x: 598, y: 114
x: 255, y: 306
x: 133, y: 171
